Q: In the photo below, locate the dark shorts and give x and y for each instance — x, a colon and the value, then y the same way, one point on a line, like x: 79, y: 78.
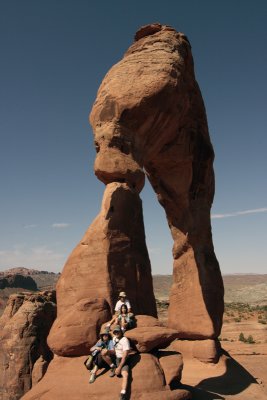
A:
x: 126, y: 365
x: 98, y: 360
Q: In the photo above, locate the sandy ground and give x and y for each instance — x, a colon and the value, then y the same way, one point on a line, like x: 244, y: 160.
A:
x: 241, y: 373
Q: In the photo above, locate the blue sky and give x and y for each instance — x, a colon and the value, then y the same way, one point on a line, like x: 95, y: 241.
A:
x: 55, y: 53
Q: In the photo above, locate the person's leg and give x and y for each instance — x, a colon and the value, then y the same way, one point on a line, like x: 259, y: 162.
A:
x: 124, y: 381
x: 106, y: 357
x: 93, y: 374
x: 108, y: 360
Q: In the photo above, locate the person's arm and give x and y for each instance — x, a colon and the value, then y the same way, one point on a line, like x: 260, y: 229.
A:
x: 111, y: 321
x: 129, y: 306
x: 117, y: 308
x: 97, y: 346
x: 110, y: 349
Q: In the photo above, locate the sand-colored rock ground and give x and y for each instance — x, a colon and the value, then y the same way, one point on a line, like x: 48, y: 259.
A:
x: 67, y: 379
x: 226, y: 380
x: 242, y: 375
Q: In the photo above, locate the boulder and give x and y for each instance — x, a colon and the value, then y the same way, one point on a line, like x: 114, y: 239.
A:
x: 76, y: 332
x: 172, y: 364
x: 39, y: 369
x: 24, y: 327
x: 147, y: 339
x: 207, y: 351
x: 146, y: 321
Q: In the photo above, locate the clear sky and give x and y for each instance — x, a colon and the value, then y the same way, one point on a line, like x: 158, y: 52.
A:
x: 54, y: 54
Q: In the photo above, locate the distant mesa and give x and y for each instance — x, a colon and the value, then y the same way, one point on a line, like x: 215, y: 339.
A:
x: 18, y: 281
x: 24, y: 271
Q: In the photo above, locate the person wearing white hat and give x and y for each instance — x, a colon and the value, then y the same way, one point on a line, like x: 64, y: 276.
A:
x: 122, y: 300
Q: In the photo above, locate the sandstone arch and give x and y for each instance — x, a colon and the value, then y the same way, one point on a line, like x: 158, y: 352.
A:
x: 149, y: 117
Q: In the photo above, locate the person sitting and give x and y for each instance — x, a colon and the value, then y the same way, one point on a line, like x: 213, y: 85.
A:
x: 122, y: 349
x: 122, y: 300
x: 125, y: 319
x: 103, y: 355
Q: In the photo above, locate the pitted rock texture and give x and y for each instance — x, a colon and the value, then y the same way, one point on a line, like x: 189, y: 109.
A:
x: 149, y: 116
x: 67, y: 378
x: 111, y: 257
x: 24, y: 327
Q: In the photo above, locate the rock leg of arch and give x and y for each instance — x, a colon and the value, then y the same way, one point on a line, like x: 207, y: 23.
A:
x: 111, y: 257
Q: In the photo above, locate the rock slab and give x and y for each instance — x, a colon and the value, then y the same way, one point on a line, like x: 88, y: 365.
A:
x: 67, y: 378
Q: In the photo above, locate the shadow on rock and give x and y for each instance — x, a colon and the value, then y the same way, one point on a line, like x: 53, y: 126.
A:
x: 199, y: 394
x: 134, y: 359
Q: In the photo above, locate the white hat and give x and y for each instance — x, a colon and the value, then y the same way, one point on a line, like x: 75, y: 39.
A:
x: 122, y: 294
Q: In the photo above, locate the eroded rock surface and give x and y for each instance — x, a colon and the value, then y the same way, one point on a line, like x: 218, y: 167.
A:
x: 111, y: 257
x: 24, y: 326
x: 74, y: 333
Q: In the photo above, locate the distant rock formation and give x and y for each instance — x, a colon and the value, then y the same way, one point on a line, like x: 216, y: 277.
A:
x: 23, y: 271
x: 45, y: 280
x: 18, y: 281
x: 24, y: 354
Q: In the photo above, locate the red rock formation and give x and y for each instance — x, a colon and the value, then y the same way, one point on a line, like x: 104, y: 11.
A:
x: 207, y: 351
x: 24, y: 326
x: 75, y: 332
x: 148, y: 338
x: 111, y: 257
x: 172, y: 365
x: 149, y: 115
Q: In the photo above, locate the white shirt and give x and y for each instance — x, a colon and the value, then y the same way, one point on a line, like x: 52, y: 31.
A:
x: 120, y: 303
x: 121, y: 346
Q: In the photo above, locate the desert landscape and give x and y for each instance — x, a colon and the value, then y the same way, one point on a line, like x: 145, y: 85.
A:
x: 195, y: 334
x: 243, y: 336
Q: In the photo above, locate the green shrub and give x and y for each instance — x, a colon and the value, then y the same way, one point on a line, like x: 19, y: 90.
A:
x: 242, y: 337
x: 250, y: 339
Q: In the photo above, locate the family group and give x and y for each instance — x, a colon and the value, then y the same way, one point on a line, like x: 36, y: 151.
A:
x: 112, y: 351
